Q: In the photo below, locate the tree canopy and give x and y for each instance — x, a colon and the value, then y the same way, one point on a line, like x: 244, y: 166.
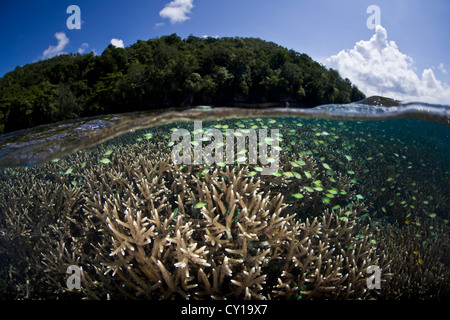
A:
x: 166, y: 71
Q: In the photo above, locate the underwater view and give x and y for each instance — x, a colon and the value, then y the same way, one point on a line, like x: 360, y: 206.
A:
x: 181, y: 205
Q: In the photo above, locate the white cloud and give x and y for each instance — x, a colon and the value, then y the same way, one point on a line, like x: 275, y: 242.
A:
x: 206, y: 37
x: 53, y: 51
x: 442, y: 68
x: 378, y: 67
x: 177, y: 10
x: 83, y: 48
x: 117, y: 43
x: 159, y: 24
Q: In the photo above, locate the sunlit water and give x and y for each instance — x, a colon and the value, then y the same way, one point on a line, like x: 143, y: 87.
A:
x: 387, y: 168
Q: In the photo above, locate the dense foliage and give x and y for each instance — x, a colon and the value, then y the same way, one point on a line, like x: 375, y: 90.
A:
x: 166, y: 71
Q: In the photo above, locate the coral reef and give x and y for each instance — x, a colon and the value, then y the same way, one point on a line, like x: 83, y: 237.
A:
x: 420, y: 260
x: 142, y: 227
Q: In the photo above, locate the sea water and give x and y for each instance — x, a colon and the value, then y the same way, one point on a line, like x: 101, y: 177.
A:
x: 385, y: 169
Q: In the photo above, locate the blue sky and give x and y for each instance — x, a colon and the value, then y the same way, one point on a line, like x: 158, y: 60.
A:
x: 411, y: 46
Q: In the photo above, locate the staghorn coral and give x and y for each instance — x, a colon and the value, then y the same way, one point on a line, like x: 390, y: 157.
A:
x: 420, y: 264
x: 184, y: 254
x: 143, y: 227
x: 231, y: 247
x: 327, y: 260
x: 132, y: 241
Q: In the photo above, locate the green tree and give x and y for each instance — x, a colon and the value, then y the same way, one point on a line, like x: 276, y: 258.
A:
x: 67, y: 104
x: 166, y: 71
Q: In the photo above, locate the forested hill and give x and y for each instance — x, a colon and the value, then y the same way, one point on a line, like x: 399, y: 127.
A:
x: 167, y: 71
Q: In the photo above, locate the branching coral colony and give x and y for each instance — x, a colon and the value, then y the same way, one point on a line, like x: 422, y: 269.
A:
x: 142, y: 227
